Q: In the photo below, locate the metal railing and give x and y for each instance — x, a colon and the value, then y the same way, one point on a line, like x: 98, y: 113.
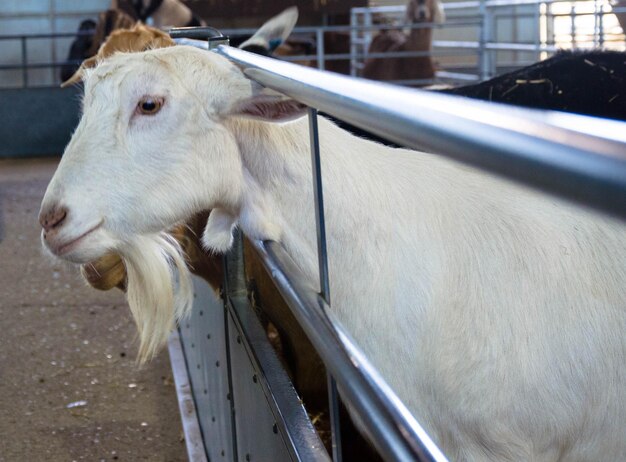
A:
x: 479, y: 53
x: 485, y: 14
x: 25, y: 65
x: 579, y: 158
x: 49, y: 16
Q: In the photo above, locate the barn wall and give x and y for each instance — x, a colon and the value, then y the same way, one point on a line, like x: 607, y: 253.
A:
x: 37, y: 122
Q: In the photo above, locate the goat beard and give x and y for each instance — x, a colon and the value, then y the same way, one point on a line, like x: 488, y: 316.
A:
x: 159, y: 289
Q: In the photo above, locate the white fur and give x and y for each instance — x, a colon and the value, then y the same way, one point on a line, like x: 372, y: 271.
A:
x: 218, y: 233
x: 495, y: 313
x: 150, y: 261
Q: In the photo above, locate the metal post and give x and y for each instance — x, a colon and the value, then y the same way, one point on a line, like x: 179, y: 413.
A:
x: 353, y: 41
x: 601, y: 24
x: 53, y: 42
x: 485, y: 37
x: 24, y: 62
x: 573, y: 21
x: 537, y: 30
x: 366, y: 40
x: 333, y: 399
x: 319, y: 34
x: 234, y: 284
x: 550, y: 32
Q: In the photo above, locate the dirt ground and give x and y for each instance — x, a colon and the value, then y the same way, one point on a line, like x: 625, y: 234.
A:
x: 69, y: 387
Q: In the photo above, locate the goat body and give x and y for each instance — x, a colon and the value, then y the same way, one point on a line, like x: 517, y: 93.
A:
x: 496, y: 314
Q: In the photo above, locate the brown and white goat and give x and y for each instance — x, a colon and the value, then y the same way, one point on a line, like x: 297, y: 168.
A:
x: 108, y: 271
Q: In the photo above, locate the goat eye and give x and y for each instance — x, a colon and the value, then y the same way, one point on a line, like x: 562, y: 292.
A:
x: 149, y: 106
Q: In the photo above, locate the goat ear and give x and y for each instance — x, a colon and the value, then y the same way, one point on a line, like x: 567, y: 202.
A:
x: 78, y: 75
x: 275, y: 31
x: 271, y: 108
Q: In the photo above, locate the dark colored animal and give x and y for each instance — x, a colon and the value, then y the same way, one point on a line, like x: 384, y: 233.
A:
x: 138, y: 38
x: 85, y: 46
x: 79, y: 48
x: 591, y: 83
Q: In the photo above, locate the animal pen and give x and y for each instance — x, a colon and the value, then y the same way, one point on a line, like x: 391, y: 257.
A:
x: 478, y: 39
x: 246, y: 407
x: 236, y: 399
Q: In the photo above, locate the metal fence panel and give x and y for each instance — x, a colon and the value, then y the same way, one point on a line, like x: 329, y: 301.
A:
x: 258, y: 438
x: 204, y: 339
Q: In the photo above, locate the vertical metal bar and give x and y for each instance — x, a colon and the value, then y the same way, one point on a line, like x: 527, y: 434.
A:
x: 24, y: 62
x: 53, y: 41
x: 537, y: 30
x: 485, y: 37
x: 547, y: 10
x: 234, y: 284
x: 353, y: 40
x: 229, y: 366
x: 572, y: 15
x: 319, y: 35
x: 319, y: 206
x: 333, y: 398
x: 601, y: 24
x: 596, y: 25
x: 335, y: 427
x: 366, y: 40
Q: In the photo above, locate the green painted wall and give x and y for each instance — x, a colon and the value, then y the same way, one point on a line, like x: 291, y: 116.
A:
x: 37, y: 122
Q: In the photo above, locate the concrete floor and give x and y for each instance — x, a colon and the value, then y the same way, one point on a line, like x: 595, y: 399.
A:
x: 62, y: 342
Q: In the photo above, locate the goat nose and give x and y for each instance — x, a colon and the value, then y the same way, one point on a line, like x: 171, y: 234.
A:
x: 52, y: 217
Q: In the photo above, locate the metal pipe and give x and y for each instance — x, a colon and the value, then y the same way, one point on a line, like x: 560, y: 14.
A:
x: 353, y: 39
x: 45, y: 14
x: 536, y: 31
x: 319, y: 37
x: 53, y: 29
x: 389, y: 425
x: 233, y: 284
x: 322, y: 256
x: 318, y: 193
x: 47, y: 35
x: 484, y: 38
x: 573, y: 24
x: 576, y: 157
x: 601, y: 24
x: 462, y: 22
x: 367, y: 38
x: 24, y: 62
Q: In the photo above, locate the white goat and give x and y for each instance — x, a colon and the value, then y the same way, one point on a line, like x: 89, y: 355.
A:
x: 496, y: 314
